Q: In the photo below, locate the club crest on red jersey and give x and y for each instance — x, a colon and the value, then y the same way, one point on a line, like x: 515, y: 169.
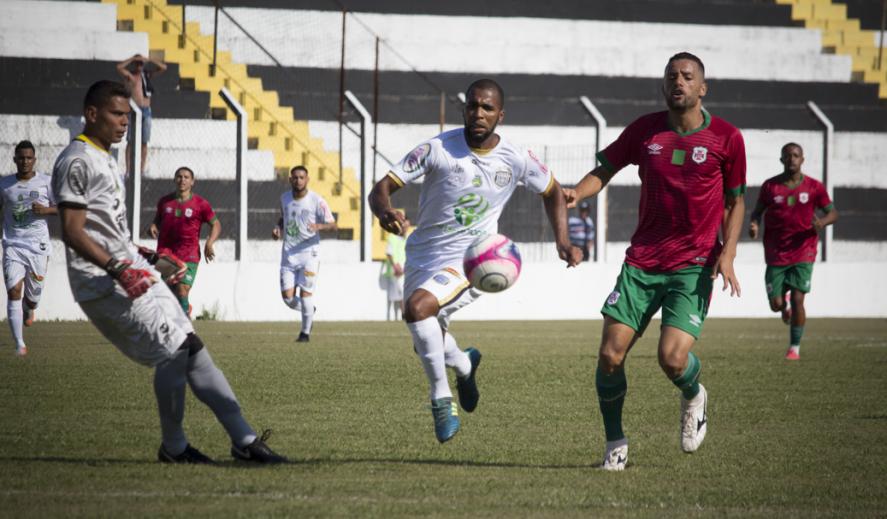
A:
x: 804, y: 197
x: 700, y: 153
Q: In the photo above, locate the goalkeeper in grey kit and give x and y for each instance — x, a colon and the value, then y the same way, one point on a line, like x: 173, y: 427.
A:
x: 116, y: 285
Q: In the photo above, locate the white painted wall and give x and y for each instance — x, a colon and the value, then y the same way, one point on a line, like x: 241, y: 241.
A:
x: 523, y: 45
x: 65, y: 30
x: 546, y: 291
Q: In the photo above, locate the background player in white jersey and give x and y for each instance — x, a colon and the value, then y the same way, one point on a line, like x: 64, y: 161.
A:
x: 27, y: 201
x: 116, y: 286
x: 469, y: 174
x: 303, y: 214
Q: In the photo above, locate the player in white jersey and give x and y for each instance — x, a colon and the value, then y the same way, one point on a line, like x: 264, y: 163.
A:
x: 303, y: 214
x: 27, y: 201
x: 116, y: 286
x: 469, y: 174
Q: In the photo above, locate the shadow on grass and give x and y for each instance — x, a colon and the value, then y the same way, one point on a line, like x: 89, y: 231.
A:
x: 227, y: 464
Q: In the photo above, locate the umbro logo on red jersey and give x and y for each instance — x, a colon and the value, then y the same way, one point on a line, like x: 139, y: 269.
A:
x: 654, y: 149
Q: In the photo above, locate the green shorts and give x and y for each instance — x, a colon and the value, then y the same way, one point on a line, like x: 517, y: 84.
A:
x: 683, y: 295
x: 190, y: 274
x: 780, y: 279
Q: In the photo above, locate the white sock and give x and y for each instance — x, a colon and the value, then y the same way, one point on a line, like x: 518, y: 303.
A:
x: 796, y: 347
x: 429, y: 343
x: 294, y: 302
x: 307, y: 314
x: 14, y: 314
x: 456, y: 358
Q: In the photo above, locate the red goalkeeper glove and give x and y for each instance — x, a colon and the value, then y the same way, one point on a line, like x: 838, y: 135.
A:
x: 135, y: 281
x: 171, y: 268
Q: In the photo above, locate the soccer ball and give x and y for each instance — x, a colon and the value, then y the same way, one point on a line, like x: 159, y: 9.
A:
x: 492, y: 263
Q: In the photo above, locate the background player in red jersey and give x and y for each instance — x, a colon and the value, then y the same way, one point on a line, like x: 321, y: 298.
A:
x: 692, y: 171
x: 177, y: 225
x: 788, y: 202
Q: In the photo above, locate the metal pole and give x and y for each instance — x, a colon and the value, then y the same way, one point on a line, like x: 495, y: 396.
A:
x: 134, y: 171
x: 881, y: 42
x: 375, y: 109
x: 365, y: 223
x: 212, y: 70
x: 828, y: 140
x: 600, y: 235
x: 242, y: 201
x: 443, y: 110
x: 342, y: 94
x: 184, y: 28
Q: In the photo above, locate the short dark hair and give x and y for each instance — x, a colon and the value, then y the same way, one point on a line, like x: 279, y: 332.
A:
x: 301, y: 167
x: 689, y: 56
x: 24, y: 145
x: 791, y: 145
x: 101, y: 92
x: 487, y: 84
x: 185, y: 168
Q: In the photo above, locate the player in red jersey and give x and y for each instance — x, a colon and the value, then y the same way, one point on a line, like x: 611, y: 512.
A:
x: 176, y: 227
x: 692, y: 171
x: 788, y: 202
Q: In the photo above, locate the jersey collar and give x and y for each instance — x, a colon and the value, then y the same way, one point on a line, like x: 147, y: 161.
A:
x: 87, y: 140
x: 706, y: 121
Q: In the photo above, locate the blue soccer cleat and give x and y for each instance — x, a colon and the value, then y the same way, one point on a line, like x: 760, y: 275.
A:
x: 467, y: 387
x: 446, y: 418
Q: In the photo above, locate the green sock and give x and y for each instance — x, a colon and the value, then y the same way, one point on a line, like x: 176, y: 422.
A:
x: 795, y: 333
x: 688, y: 381
x: 184, y: 302
x: 611, y: 390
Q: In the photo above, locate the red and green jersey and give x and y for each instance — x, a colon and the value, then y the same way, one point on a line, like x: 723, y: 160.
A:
x: 684, y: 178
x: 179, y: 222
x: 789, y: 235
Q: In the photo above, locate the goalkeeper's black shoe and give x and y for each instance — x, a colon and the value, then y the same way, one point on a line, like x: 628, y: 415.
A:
x: 303, y: 337
x: 190, y: 455
x: 258, y: 451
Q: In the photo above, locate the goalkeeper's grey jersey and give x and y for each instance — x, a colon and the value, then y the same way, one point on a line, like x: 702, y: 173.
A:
x: 86, y: 176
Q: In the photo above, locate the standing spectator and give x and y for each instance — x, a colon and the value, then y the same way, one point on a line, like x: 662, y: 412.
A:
x: 582, y: 230
x: 176, y: 227
x: 788, y: 203
x: 392, y: 269
x: 137, y: 73
x: 303, y: 214
x: 26, y: 200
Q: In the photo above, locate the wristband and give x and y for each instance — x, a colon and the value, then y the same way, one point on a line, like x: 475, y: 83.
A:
x: 114, y: 267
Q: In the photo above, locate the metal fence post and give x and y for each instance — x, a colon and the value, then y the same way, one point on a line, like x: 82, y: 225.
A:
x: 365, y: 223
x: 134, y: 171
x: 600, y: 235
x: 242, y: 204
x: 828, y: 140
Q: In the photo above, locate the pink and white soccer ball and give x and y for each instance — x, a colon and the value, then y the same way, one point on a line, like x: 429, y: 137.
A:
x: 492, y: 263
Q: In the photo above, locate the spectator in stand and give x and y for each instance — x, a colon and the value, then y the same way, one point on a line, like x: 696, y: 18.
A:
x: 137, y: 73
x: 582, y: 230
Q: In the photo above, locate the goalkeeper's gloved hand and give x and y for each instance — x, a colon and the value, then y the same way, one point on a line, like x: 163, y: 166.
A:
x: 135, y: 281
x: 171, y: 268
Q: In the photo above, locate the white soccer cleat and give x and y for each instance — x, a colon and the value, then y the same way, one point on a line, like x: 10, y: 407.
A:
x: 616, y: 455
x: 694, y: 420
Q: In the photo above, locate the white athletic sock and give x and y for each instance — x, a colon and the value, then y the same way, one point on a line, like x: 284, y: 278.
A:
x: 307, y: 314
x: 14, y: 314
x: 429, y: 344
x: 456, y: 358
x: 211, y: 387
x: 294, y: 302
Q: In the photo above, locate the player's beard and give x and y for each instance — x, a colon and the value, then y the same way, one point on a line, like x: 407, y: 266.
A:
x: 475, y: 142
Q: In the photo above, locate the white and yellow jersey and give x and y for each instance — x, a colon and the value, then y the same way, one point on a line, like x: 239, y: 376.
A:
x: 21, y: 227
x: 85, y: 176
x: 463, y: 193
x: 298, y: 214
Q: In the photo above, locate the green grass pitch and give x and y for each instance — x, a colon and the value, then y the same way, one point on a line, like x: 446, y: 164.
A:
x: 79, y: 432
